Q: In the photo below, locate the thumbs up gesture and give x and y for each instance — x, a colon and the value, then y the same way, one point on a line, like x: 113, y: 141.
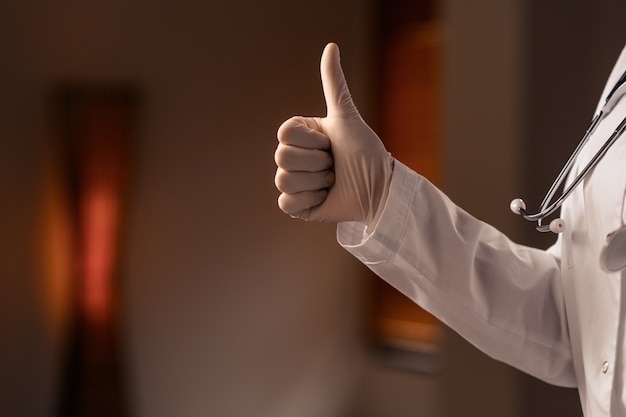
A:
x: 334, y: 168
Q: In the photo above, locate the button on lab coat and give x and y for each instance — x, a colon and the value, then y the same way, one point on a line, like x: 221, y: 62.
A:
x: 555, y: 314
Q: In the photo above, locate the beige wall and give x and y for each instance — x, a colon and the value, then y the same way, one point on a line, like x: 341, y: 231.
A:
x: 232, y: 308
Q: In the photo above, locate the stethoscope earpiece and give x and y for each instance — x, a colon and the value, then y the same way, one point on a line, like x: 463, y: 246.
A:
x: 518, y: 206
x: 557, y: 226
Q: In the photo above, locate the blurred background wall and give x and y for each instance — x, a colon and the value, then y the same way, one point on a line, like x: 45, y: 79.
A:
x: 230, y: 307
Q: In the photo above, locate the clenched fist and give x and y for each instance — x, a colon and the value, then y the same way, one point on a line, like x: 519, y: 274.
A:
x: 332, y: 168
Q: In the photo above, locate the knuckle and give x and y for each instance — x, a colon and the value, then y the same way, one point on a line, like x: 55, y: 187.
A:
x: 282, y: 203
x: 281, y: 180
x: 279, y: 156
x: 288, y: 205
x: 287, y: 128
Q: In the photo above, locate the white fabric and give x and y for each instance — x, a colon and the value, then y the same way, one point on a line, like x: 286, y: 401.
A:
x: 555, y: 314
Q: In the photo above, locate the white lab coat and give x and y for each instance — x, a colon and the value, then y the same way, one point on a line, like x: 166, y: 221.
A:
x: 554, y: 314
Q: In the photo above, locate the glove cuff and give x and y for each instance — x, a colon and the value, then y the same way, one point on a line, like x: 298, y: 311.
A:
x: 379, y: 193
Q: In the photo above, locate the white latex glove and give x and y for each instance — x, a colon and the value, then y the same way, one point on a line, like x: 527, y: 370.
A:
x: 334, y: 168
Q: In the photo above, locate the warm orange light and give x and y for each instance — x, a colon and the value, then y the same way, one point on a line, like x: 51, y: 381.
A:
x: 57, y: 248
x: 99, y: 229
x: 410, y: 128
x: 94, y: 130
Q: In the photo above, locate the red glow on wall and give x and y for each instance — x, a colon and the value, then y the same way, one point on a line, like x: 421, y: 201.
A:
x: 100, y: 216
x: 96, y: 126
x: 100, y: 130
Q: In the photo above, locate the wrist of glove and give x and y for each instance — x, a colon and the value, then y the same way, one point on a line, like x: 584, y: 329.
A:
x: 334, y: 168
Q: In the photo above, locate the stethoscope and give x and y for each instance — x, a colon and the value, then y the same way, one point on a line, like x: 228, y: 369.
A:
x: 616, y: 243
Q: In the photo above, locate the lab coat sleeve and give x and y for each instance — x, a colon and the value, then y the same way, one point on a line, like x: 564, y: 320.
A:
x: 505, y: 298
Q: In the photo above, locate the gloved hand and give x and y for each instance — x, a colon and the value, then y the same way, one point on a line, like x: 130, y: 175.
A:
x: 334, y: 168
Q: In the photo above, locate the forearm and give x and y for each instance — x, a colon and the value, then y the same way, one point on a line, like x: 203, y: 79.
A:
x: 504, y: 298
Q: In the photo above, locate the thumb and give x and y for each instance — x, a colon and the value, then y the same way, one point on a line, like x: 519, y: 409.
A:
x: 338, y: 99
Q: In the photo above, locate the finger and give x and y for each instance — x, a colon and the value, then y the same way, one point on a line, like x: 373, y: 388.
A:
x: 303, y: 132
x: 296, y: 182
x: 300, y: 204
x: 293, y: 158
x: 338, y: 99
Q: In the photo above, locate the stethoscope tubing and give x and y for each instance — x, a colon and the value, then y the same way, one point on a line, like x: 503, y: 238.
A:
x: 546, y: 208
